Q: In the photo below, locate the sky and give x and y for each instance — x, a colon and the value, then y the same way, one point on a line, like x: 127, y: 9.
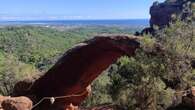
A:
x: 74, y: 9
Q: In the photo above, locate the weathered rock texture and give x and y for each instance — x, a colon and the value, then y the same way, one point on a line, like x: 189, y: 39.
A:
x: 2, y: 98
x: 15, y: 103
x: 163, y: 13
x: 77, y: 68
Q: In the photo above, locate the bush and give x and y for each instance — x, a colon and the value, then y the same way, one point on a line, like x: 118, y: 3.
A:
x: 148, y: 81
x: 12, y: 71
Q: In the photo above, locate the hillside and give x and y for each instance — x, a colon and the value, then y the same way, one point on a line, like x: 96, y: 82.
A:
x: 26, y: 50
x: 154, y: 70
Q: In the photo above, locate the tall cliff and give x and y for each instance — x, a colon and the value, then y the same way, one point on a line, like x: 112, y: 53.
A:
x: 163, y: 13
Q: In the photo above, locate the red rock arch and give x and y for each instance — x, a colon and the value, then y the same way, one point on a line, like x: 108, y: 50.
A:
x: 79, y: 66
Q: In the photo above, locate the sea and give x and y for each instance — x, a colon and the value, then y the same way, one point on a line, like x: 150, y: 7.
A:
x: 130, y: 22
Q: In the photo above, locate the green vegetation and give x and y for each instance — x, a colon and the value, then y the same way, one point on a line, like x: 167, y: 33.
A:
x: 35, y: 45
x: 27, y: 50
x: 147, y: 81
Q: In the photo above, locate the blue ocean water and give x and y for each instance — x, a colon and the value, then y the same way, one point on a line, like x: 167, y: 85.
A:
x: 131, y: 22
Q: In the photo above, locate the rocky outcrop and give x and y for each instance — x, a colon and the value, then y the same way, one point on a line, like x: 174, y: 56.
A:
x: 15, y: 103
x: 163, y: 13
x: 2, y: 98
x: 76, y: 69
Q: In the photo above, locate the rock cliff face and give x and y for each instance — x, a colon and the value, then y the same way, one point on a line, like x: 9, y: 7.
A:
x: 163, y: 13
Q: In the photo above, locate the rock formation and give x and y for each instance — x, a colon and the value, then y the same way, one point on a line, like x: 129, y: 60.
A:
x: 15, y: 103
x: 76, y: 69
x: 163, y: 13
x: 2, y: 98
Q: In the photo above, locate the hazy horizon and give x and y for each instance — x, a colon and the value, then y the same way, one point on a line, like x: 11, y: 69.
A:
x: 23, y: 10
x: 73, y: 19
x: 129, y: 23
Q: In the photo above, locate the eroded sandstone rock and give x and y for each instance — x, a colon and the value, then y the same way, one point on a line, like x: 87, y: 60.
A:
x: 78, y: 67
x: 16, y: 103
x: 2, y: 98
x: 163, y: 13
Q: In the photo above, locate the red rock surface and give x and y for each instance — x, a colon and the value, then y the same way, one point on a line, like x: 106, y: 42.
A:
x: 15, y: 103
x: 2, y: 98
x: 78, y: 67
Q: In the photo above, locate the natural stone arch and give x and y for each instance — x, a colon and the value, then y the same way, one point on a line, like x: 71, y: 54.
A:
x: 78, y: 67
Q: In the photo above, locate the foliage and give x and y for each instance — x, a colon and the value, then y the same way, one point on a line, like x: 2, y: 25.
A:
x: 27, y: 50
x: 146, y: 81
x: 34, y: 45
x: 161, y: 67
x: 12, y: 71
x: 100, y: 94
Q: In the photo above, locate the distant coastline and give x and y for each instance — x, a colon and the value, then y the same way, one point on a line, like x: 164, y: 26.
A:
x: 126, y: 22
